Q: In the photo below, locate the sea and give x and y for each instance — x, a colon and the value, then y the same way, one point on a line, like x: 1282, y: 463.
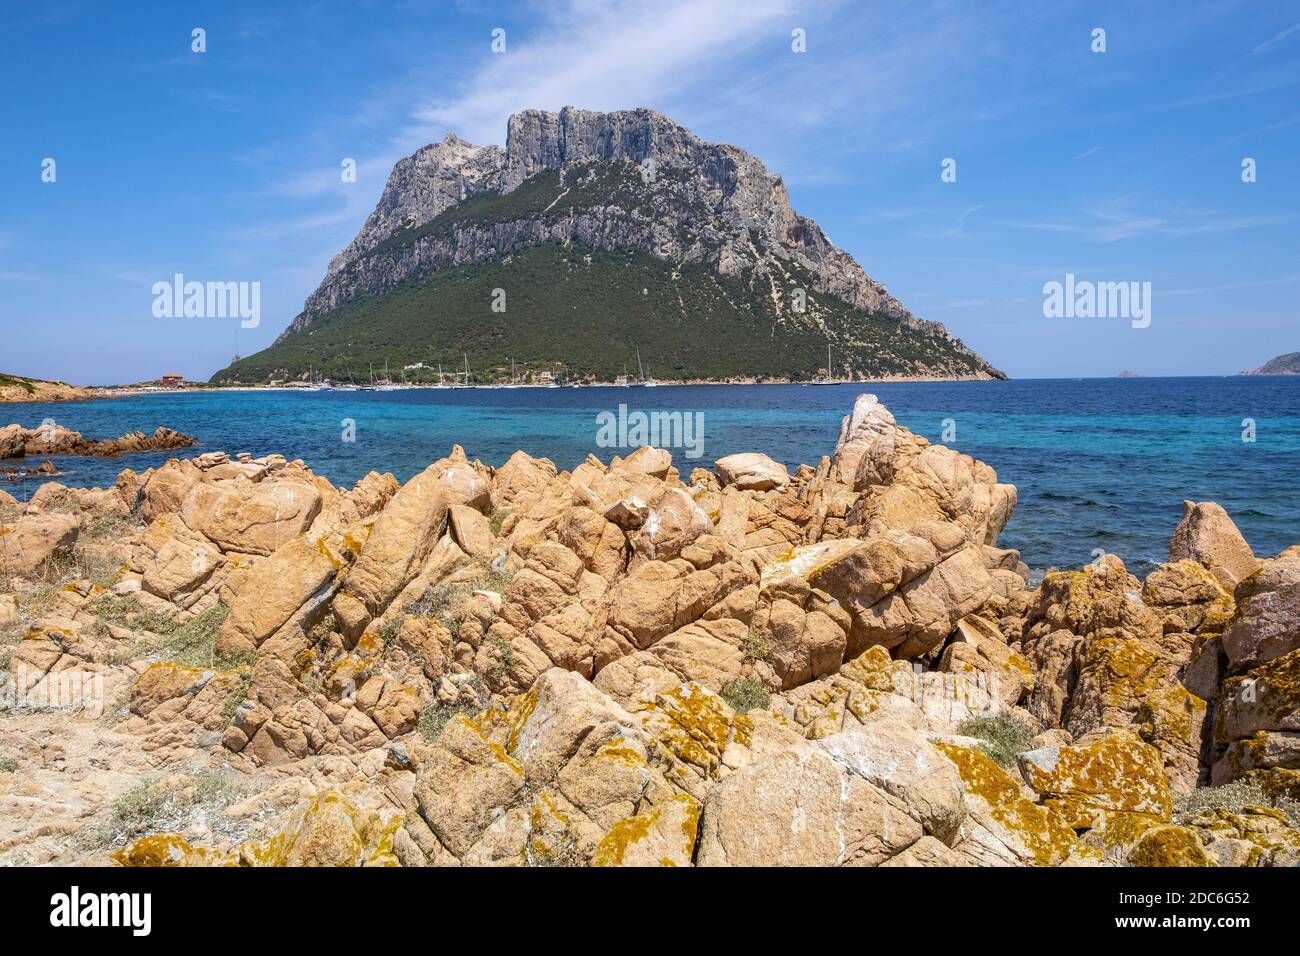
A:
x: 1099, y: 463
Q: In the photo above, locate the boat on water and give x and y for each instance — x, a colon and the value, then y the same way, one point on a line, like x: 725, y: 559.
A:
x: 827, y: 380
x: 642, y: 378
x: 514, y: 381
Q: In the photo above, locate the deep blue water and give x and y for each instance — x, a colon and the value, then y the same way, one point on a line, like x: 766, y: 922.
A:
x: 1099, y: 463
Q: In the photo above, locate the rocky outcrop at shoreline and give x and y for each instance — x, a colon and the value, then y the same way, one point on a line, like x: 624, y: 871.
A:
x: 14, y: 388
x: 17, y: 442
x: 625, y: 665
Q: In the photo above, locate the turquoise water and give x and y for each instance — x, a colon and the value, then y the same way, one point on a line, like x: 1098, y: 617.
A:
x: 1100, y: 463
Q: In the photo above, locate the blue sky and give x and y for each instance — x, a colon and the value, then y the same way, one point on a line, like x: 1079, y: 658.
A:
x: 224, y: 165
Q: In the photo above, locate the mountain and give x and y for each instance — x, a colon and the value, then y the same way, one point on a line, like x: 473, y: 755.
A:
x: 1288, y: 364
x: 602, y: 234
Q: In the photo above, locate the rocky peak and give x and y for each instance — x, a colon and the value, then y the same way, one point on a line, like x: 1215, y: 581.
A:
x: 737, y: 186
x: 537, y: 140
x: 429, y: 181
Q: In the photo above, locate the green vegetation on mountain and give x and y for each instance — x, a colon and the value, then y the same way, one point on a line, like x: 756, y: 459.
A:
x: 585, y: 312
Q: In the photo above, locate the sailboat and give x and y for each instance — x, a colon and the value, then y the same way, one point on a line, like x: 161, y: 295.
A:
x: 514, y: 382
x: 386, y: 384
x: 827, y: 380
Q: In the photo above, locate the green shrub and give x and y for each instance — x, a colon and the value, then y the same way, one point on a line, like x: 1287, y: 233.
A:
x: 505, y: 653
x: 1233, y: 797
x: 434, y: 718
x: 745, y: 695
x: 445, y: 603
x: 1003, y: 736
x: 236, y: 697
x: 192, y: 643
x: 389, y: 629
x: 169, y: 805
x: 756, y: 646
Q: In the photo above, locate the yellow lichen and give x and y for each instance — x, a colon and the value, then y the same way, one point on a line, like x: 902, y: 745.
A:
x: 1044, y: 835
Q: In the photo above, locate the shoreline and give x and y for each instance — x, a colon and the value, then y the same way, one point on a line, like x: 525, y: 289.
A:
x: 95, y: 392
x: 87, y: 393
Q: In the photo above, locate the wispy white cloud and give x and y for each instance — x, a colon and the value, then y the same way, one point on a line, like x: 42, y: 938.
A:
x: 957, y: 230
x: 1277, y: 38
x: 1115, y: 222
x: 603, y: 54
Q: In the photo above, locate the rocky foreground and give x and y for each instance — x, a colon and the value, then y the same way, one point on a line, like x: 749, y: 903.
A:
x: 621, y: 666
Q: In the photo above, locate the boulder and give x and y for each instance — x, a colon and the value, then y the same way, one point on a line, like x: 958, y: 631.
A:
x: 662, y: 835
x: 646, y: 460
x: 1267, y: 622
x: 866, y: 452
x: 1165, y: 846
x: 751, y: 471
x: 403, y: 536
x: 180, y: 569
x: 167, y: 488
x: 1207, y: 535
x: 276, y: 589
x: 1003, y: 827
x: 1100, y: 778
x: 470, y: 529
x: 32, y: 540
x: 672, y: 523
x: 802, y: 807
x: 461, y: 481
x: 1257, y: 718
x: 251, y: 517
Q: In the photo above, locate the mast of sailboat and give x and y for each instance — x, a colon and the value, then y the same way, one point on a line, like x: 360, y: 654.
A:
x: 640, y: 372
x: 466, y: 356
x: 829, y: 377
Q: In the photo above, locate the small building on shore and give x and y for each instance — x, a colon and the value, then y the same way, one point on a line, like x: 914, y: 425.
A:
x: 172, y: 380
